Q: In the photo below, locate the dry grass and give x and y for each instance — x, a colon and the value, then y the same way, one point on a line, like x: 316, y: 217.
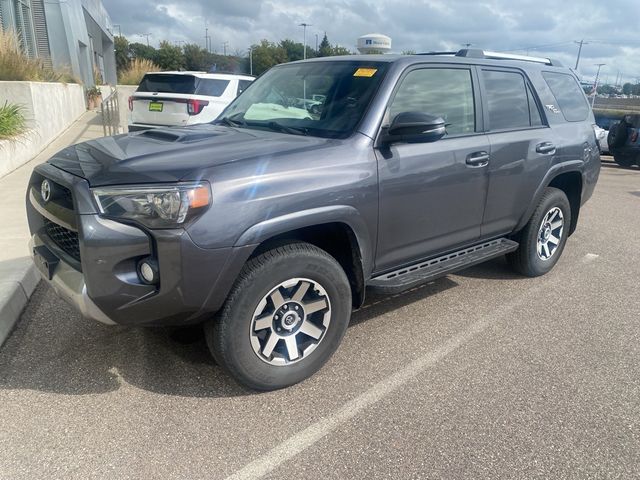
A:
x: 137, y: 68
x: 14, y: 65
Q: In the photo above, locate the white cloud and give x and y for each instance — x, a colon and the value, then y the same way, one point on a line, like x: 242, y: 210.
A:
x: 540, y: 27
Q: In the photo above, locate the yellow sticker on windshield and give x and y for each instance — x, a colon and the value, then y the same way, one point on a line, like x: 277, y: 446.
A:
x: 365, y: 72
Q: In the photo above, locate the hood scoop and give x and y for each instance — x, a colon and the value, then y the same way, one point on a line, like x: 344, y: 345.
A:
x: 175, y: 136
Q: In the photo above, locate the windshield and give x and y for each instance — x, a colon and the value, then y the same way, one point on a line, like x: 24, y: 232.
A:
x: 324, y: 99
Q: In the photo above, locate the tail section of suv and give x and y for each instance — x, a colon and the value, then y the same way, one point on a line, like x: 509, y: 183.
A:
x: 269, y: 225
x: 624, y: 141
x: 182, y: 98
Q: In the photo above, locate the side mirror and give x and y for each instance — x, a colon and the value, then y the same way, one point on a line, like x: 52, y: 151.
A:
x: 415, y: 127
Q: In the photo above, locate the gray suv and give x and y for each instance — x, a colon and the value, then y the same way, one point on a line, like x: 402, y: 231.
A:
x: 268, y: 225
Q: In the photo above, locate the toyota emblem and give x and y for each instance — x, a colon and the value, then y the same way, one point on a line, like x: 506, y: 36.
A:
x: 45, y: 190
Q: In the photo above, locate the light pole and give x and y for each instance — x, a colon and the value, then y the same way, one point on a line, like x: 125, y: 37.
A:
x: 595, y: 86
x: 316, y: 44
x: 145, y: 35
x: 250, y: 61
x: 304, y: 48
x: 119, y: 30
x: 581, y: 42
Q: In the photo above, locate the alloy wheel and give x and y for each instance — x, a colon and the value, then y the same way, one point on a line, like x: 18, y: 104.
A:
x: 290, y: 321
x: 550, y: 233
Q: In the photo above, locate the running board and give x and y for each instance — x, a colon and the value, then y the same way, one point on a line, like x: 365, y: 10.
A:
x: 418, y: 273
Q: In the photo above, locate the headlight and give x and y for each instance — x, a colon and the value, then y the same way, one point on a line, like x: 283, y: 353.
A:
x: 155, y: 206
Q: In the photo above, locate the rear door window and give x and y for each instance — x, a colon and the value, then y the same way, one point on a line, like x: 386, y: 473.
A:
x: 508, y: 101
x: 167, y: 83
x: 212, y: 87
x: 568, y: 95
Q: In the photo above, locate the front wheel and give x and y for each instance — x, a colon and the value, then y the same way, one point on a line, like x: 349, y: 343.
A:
x: 284, y: 317
x: 543, y: 238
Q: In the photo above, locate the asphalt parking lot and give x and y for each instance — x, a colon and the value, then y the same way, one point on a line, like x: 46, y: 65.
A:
x: 478, y: 375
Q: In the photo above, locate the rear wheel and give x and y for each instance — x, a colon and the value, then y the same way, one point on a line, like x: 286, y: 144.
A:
x: 283, y: 319
x: 543, y: 239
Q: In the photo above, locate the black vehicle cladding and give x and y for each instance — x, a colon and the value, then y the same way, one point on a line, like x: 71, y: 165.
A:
x: 325, y: 178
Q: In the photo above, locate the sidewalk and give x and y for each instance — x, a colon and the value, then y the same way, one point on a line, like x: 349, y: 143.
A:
x: 18, y: 277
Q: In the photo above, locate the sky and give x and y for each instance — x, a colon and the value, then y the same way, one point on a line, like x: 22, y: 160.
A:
x: 547, y: 28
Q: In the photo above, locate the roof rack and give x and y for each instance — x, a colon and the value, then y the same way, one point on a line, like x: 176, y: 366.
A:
x: 477, y: 53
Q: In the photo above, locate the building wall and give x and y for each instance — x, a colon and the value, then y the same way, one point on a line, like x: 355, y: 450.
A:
x: 49, y: 109
x: 71, y: 35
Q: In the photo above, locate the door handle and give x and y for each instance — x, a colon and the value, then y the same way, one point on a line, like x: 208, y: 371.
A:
x: 478, y: 159
x: 546, y: 147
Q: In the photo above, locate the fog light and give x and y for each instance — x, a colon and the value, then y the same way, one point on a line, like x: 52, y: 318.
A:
x: 148, y: 271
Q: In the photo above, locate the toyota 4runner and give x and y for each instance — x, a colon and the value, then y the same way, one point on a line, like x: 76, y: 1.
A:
x: 268, y: 224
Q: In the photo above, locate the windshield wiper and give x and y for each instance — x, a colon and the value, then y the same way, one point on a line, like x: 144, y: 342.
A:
x: 278, y: 127
x: 230, y: 121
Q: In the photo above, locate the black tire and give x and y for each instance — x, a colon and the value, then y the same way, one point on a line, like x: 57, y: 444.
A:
x: 617, y: 135
x: 624, y: 161
x: 526, y: 260
x: 229, y: 335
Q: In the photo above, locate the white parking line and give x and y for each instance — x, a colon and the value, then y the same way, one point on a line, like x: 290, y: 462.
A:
x: 315, y: 432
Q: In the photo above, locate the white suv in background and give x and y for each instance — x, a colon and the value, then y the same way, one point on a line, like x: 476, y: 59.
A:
x: 182, y: 98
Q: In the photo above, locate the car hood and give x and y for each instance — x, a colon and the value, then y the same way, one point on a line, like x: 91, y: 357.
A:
x: 174, y: 154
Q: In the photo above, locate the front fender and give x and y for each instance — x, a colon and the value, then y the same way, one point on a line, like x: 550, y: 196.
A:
x: 345, y: 214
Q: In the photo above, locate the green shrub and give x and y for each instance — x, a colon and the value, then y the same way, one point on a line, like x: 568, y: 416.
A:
x: 137, y: 68
x: 12, y: 121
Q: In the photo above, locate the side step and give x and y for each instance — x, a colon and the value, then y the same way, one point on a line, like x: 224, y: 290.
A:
x: 408, y: 277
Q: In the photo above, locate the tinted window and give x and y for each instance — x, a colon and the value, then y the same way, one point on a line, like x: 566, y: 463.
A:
x: 167, y: 83
x: 242, y: 85
x: 569, y: 96
x: 211, y: 87
x: 507, y: 99
x: 444, y: 92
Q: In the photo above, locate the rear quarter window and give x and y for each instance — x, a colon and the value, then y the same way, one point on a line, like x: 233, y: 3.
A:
x: 212, y: 87
x: 568, y: 95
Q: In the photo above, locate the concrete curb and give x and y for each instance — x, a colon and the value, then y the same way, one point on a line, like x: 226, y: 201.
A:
x: 18, y: 280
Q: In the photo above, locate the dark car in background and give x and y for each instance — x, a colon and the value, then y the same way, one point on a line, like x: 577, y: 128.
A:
x: 624, y: 141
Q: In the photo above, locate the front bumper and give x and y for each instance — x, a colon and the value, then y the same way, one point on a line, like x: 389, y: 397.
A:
x: 100, y: 276
x: 69, y: 284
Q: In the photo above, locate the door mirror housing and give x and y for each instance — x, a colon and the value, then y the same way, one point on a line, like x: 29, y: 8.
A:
x: 415, y: 127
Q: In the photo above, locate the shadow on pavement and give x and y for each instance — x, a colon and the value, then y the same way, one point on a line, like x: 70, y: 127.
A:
x: 53, y: 349
x: 496, y: 269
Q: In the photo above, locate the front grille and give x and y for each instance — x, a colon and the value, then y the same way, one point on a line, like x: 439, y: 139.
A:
x: 60, y: 195
x: 64, y: 197
x: 64, y: 238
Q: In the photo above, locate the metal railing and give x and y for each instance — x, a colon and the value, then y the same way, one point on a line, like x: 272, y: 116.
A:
x: 110, y: 114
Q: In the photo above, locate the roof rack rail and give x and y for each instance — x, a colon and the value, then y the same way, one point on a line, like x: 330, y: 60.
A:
x: 477, y: 53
